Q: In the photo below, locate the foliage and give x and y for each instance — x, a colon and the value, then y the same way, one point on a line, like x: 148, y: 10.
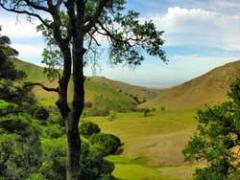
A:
x: 112, y: 115
x: 8, y: 74
x: 163, y: 108
x: 93, y: 163
x: 7, y: 69
x: 19, y: 146
x: 40, y: 113
x: 54, y: 130
x: 217, y: 139
x: 89, y: 128
x: 54, y: 157
x: 109, y: 143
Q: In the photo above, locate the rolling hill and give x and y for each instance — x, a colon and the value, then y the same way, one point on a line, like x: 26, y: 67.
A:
x: 100, y: 91
x: 210, y: 88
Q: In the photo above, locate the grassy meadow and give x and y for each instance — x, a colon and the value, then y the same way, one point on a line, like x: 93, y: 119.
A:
x: 152, y: 145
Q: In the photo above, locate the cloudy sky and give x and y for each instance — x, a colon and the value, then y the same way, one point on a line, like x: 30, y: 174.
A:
x: 199, y: 35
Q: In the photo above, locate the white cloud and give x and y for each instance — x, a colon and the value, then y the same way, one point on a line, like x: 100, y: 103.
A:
x: 200, y: 28
x: 28, y: 50
x: 18, y: 28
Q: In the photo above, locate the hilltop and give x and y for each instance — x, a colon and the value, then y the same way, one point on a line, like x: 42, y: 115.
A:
x: 210, y: 88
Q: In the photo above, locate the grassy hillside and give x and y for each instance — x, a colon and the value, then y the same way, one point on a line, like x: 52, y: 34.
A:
x: 210, y: 88
x: 100, y: 91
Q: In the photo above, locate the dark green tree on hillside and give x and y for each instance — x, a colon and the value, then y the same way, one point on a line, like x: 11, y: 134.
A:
x: 9, y: 74
x: 73, y: 31
x: 217, y: 140
x: 20, y: 148
x: 7, y: 69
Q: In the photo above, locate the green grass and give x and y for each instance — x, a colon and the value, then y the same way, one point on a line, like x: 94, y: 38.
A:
x: 152, y: 145
x: 140, y: 172
x: 163, y: 133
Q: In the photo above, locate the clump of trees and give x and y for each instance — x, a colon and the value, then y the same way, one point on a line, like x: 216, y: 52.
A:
x: 20, y: 144
x: 146, y: 111
x: 217, y: 139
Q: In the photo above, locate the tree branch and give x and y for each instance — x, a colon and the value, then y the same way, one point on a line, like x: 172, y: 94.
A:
x: 35, y: 6
x: 92, y: 20
x: 30, y: 84
x: 59, y: 2
x: 27, y: 13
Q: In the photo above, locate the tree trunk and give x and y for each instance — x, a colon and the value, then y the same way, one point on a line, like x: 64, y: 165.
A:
x: 73, y: 135
x: 73, y: 151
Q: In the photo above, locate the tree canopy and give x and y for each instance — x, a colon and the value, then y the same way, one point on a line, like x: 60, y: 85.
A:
x: 217, y: 139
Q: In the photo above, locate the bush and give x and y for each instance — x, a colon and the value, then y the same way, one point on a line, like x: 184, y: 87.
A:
x: 110, y: 144
x: 112, y: 115
x: 41, y: 113
x: 88, y: 104
x: 163, y: 108
x: 54, y: 159
x: 54, y: 131
x: 89, y: 128
x: 146, y: 112
x: 20, y: 147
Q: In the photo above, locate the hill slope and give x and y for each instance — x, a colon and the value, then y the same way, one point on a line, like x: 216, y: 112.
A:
x: 210, y: 88
x: 103, y: 92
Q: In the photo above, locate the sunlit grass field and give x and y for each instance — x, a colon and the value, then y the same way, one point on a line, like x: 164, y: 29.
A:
x: 152, y: 145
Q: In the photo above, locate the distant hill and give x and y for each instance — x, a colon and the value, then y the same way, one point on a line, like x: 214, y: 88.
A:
x: 210, y: 88
x: 100, y: 91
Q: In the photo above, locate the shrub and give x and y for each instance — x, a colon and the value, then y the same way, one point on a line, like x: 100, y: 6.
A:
x: 20, y: 147
x: 111, y: 144
x: 89, y: 128
x: 54, y: 130
x: 146, y: 112
x: 163, y: 108
x: 112, y: 115
x: 41, y: 113
x: 88, y: 104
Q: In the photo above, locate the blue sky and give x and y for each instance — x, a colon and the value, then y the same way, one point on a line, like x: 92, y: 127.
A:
x: 199, y: 35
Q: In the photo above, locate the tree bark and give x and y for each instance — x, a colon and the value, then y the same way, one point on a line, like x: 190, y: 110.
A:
x: 73, y: 151
x: 73, y: 135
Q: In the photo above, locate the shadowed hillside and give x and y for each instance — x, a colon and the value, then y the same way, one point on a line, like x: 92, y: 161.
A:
x: 99, y: 90
x: 209, y: 88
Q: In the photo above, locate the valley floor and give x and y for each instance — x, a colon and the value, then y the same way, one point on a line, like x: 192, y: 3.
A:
x: 152, y: 145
